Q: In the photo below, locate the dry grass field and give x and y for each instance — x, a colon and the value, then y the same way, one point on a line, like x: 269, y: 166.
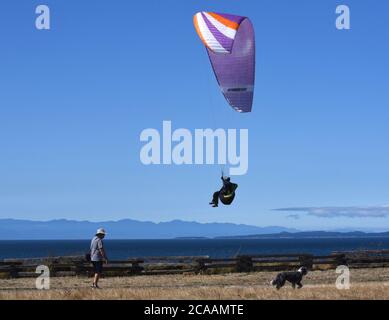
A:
x: 365, y: 284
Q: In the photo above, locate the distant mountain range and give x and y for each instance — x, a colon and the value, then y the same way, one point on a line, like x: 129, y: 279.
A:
x: 311, y: 234
x: 11, y: 229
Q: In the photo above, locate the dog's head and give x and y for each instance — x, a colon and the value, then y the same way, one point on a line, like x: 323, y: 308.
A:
x: 303, y: 271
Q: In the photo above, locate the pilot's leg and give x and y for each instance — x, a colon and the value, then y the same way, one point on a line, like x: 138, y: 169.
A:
x: 215, y: 198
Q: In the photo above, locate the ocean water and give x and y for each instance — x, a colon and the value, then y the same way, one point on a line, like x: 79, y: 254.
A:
x: 216, y: 248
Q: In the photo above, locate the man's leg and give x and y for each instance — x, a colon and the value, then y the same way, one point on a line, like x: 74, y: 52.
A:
x: 215, y: 198
x: 96, y: 279
x: 98, y: 270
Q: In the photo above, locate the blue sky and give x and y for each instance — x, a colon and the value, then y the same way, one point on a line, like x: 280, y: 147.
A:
x: 73, y: 101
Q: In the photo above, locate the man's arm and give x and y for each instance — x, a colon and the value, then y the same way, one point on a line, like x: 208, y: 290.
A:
x: 102, y: 251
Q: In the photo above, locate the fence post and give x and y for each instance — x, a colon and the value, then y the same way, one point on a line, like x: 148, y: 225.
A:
x: 200, y: 265
x: 244, y: 264
x: 136, y: 268
x: 13, y: 271
x: 306, y: 261
x: 341, y: 260
x: 78, y: 268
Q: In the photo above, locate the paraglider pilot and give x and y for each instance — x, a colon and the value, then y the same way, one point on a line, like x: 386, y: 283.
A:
x: 226, y: 193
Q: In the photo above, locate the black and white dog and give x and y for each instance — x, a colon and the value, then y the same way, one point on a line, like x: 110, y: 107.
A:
x: 294, y: 278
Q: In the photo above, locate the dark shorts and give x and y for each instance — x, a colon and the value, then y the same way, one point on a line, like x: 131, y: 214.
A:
x: 97, y: 266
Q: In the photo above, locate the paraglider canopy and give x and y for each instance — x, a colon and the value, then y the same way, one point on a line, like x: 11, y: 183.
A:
x: 230, y: 43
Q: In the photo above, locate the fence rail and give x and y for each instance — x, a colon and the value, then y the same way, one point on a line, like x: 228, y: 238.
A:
x: 77, y: 266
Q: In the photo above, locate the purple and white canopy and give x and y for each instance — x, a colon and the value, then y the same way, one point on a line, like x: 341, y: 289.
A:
x: 230, y: 43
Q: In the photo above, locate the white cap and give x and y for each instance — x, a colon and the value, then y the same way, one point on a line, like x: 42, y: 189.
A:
x: 100, y: 231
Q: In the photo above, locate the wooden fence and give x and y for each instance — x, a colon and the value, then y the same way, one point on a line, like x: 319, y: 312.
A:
x: 77, y: 266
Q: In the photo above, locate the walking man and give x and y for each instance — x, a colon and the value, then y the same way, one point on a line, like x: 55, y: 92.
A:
x: 98, y: 256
